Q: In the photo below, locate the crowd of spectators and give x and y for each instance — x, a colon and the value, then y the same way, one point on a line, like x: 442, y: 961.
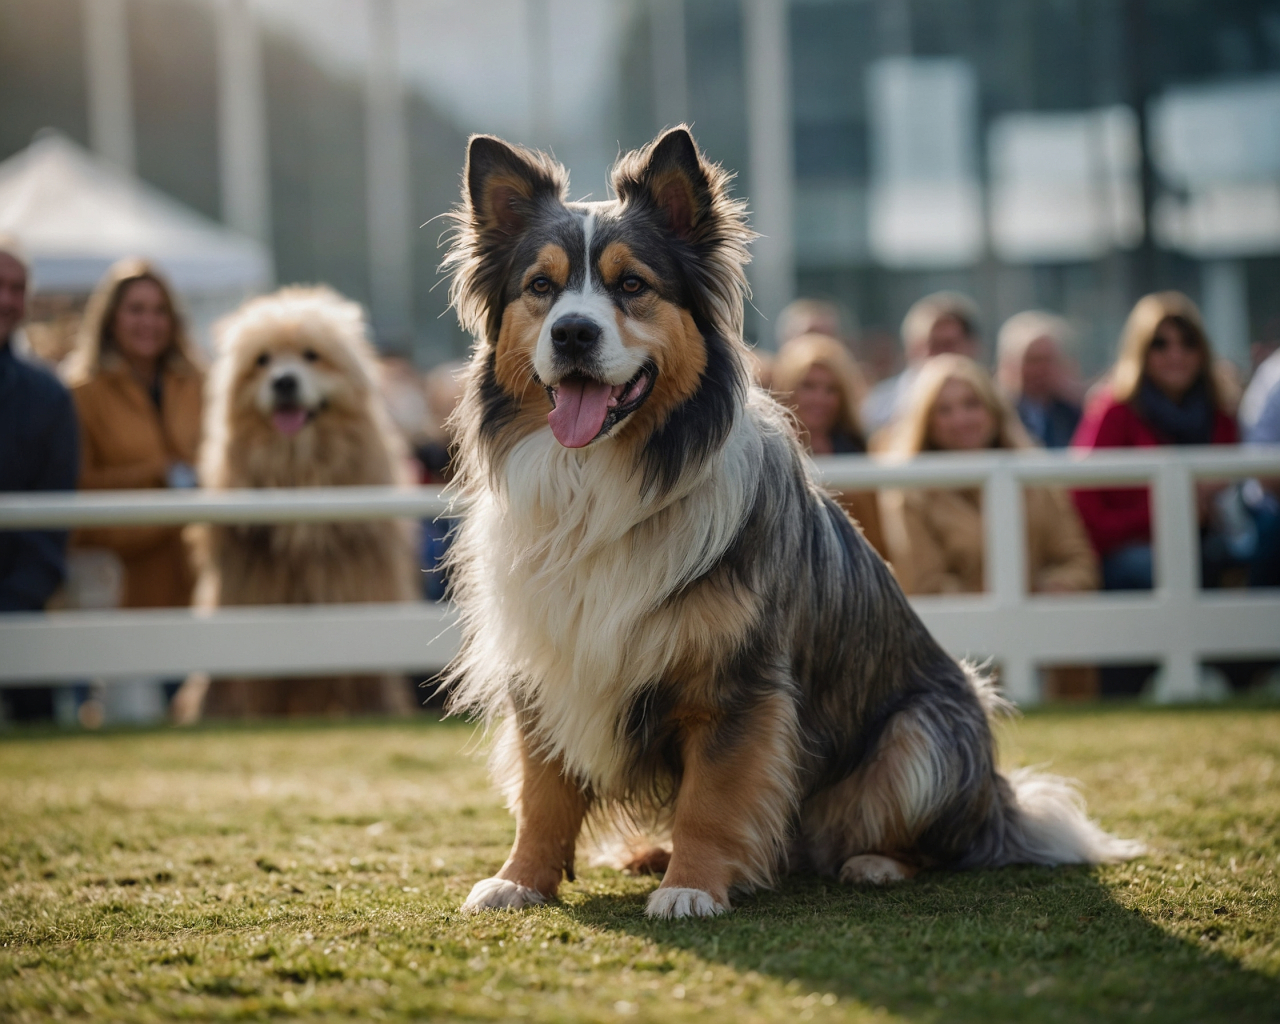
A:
x: 124, y: 410
x: 1165, y: 388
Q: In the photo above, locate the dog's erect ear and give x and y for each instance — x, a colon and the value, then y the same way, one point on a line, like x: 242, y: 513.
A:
x: 671, y: 174
x: 505, y: 182
x: 502, y: 187
x: 669, y: 183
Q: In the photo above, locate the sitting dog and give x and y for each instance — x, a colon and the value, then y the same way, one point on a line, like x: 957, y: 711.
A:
x: 677, y: 628
x: 293, y: 402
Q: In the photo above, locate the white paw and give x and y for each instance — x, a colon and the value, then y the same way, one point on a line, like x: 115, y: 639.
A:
x: 499, y: 894
x: 675, y: 902
x: 870, y: 869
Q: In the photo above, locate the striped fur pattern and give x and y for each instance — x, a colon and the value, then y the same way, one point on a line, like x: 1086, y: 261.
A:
x: 671, y: 625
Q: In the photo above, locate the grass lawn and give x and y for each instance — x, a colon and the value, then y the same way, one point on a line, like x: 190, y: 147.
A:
x: 315, y: 871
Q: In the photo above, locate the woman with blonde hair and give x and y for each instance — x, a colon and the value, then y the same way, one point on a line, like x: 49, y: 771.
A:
x: 816, y: 378
x: 1162, y: 390
x: 935, y: 536
x: 137, y: 383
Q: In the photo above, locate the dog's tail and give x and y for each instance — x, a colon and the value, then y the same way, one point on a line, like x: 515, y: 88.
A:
x: 1039, y: 818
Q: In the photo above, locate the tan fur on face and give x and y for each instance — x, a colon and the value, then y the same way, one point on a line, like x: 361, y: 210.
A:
x: 351, y: 442
x: 661, y: 328
x: 518, y: 340
x: 521, y: 322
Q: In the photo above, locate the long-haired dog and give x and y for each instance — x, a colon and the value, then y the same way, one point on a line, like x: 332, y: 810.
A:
x: 677, y: 628
x: 293, y: 402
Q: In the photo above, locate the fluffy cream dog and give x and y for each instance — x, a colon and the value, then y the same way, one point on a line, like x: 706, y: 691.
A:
x: 293, y: 402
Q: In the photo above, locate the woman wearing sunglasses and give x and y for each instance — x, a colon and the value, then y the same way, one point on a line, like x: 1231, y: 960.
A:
x: 1161, y: 391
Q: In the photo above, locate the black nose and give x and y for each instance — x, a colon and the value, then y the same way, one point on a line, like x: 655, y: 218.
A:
x: 285, y: 387
x: 573, y: 336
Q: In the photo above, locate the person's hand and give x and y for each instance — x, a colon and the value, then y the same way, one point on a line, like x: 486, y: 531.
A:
x: 181, y: 475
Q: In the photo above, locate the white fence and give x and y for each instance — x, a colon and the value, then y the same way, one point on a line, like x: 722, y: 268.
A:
x: 1177, y: 625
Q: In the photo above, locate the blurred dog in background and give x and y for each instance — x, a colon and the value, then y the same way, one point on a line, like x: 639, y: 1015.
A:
x: 293, y: 402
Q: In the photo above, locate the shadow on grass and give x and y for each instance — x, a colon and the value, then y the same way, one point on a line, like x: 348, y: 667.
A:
x: 1029, y: 944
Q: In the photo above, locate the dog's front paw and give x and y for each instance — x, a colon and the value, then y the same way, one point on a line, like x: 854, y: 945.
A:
x: 675, y: 902
x: 499, y: 894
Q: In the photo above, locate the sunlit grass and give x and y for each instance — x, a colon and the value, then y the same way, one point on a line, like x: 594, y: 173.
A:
x: 316, y: 872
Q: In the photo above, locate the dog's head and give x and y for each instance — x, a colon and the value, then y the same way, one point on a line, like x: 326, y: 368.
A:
x: 614, y: 322
x: 288, y: 359
x: 292, y: 397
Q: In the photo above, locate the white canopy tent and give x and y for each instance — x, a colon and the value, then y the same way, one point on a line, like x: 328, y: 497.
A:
x: 76, y: 215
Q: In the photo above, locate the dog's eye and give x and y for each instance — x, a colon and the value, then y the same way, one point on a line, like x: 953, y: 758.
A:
x: 263, y: 359
x: 632, y: 285
x: 310, y: 355
x: 540, y: 285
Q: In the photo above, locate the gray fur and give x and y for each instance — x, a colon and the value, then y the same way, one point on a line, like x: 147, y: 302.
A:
x: 575, y: 573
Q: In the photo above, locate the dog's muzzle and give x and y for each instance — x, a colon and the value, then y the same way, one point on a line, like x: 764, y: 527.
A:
x: 288, y: 414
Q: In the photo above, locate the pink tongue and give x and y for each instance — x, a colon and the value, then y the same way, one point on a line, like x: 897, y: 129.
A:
x: 581, y: 406
x: 289, y: 421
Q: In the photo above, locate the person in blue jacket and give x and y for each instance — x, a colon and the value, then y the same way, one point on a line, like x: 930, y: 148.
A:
x: 39, y: 451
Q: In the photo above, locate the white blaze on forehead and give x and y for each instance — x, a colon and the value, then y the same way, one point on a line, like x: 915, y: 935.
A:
x: 614, y: 361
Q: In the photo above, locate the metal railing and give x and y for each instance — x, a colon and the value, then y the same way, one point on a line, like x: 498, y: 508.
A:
x: 1176, y: 625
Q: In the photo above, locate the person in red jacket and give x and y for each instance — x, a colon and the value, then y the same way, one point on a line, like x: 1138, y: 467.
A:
x: 1160, y: 391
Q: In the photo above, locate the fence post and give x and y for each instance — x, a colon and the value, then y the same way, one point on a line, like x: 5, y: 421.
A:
x: 1176, y: 538
x: 1005, y: 564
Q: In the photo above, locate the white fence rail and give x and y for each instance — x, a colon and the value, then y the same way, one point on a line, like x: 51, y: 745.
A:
x: 1177, y: 624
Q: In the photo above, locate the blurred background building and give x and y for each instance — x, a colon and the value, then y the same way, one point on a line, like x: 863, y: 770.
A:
x: 1068, y: 154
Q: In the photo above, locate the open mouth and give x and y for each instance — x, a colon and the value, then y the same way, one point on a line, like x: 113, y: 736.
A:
x: 586, y: 408
x: 289, y: 419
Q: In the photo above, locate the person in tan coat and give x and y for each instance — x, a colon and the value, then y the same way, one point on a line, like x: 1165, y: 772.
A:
x: 935, y: 536
x: 137, y: 384
x: 815, y: 377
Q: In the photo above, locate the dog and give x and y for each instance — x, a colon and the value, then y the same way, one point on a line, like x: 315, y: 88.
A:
x: 293, y: 402
x: 676, y: 630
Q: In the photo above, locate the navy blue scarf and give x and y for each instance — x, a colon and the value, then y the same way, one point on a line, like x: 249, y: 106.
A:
x: 1189, y: 421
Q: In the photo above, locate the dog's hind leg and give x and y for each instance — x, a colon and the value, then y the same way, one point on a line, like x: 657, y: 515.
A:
x: 549, y: 808
x: 736, y: 797
x: 873, y: 869
x: 867, y: 829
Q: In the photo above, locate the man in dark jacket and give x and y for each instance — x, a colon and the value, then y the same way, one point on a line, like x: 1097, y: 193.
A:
x: 1034, y: 373
x: 39, y: 451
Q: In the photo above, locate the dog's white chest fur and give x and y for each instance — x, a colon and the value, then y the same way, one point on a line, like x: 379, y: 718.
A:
x: 571, y: 571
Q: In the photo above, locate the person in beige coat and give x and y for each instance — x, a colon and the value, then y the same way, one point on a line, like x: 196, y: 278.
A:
x: 137, y: 384
x: 935, y: 536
